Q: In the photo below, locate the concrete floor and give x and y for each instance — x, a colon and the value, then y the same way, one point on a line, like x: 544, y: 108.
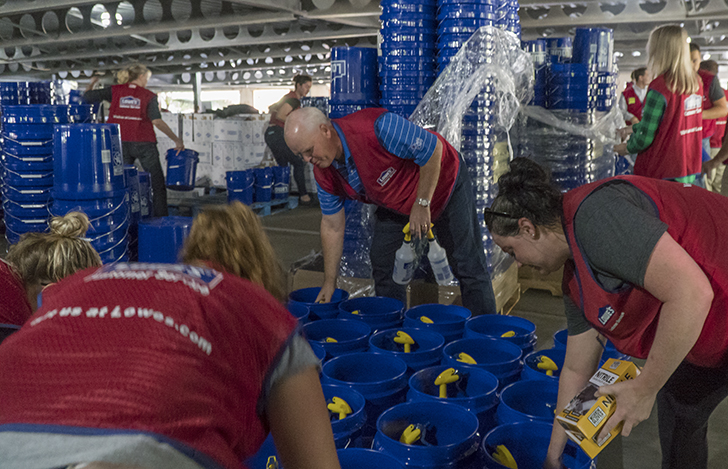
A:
x: 295, y: 234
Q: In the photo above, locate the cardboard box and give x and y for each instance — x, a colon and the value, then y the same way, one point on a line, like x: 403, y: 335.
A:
x: 586, y: 414
x: 228, y: 130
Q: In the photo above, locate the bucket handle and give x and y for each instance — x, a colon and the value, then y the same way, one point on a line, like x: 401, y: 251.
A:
x: 109, y: 232
x: 8, y: 201
x: 243, y: 189
x: 40, y: 176
x: 34, y: 191
x: 24, y: 221
x: 123, y: 240
x: 99, y: 217
x: 30, y: 159
x: 29, y: 143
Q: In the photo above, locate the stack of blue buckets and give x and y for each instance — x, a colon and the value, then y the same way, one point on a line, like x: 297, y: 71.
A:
x: 26, y: 92
x: 134, y: 198
x: 353, y: 80
x: 407, y: 66
x: 506, y: 16
x: 89, y: 177
x: 384, y: 369
x: 358, y: 232
x: 580, y: 86
x: 539, y: 56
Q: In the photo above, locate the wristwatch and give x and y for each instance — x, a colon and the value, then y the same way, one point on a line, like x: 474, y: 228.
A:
x: 423, y: 202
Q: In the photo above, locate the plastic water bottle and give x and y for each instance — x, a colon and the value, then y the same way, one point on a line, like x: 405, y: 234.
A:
x: 404, y: 261
x: 438, y: 261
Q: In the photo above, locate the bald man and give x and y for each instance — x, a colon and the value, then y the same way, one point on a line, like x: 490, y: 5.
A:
x: 412, y: 175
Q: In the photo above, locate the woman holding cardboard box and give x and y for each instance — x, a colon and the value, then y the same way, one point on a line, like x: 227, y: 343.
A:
x: 645, y: 265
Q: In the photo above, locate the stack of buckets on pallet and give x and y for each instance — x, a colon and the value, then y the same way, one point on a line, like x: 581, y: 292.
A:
x: 89, y: 177
x: 479, y: 141
x: 431, y: 387
x: 258, y: 185
x: 578, y: 84
x: 28, y: 163
x: 26, y: 92
x: 409, y: 48
x: 353, y: 80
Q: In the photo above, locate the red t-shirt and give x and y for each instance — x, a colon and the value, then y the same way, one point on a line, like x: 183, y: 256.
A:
x: 172, y: 350
x: 14, y: 307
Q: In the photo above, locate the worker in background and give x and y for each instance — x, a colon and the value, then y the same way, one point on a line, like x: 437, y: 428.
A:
x: 645, y: 266
x: 632, y: 99
x: 274, y: 134
x: 412, y: 175
x: 715, y: 105
x: 177, y: 366
x: 40, y: 259
x: 667, y: 140
x: 714, y: 177
x: 136, y: 110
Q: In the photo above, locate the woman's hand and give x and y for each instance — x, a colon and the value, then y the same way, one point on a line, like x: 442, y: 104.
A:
x: 621, y: 149
x: 327, y: 291
x: 634, y: 405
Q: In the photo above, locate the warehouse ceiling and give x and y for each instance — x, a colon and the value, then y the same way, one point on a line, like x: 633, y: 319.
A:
x: 267, y: 41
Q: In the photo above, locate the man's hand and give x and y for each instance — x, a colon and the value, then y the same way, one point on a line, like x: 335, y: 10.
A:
x: 711, y: 165
x: 179, y: 145
x: 419, y: 220
x: 634, y: 404
x: 327, y: 291
x: 621, y: 149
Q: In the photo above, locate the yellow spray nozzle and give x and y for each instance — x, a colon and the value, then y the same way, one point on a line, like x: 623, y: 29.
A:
x: 504, y: 457
x: 465, y: 358
x: 443, y: 379
x: 430, y: 234
x: 339, y: 406
x: 426, y: 320
x: 331, y: 340
x: 410, y: 435
x: 509, y: 334
x: 545, y: 363
x: 272, y: 463
x: 406, y: 229
x: 356, y: 311
x: 404, y: 339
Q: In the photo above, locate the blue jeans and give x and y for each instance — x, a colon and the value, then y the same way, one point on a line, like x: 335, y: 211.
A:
x: 459, y: 234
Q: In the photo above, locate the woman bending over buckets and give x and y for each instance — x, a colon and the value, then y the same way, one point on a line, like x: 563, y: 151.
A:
x: 40, y: 259
x: 646, y: 266
x: 167, y: 365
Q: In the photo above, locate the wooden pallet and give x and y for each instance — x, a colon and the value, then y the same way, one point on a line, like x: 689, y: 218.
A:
x: 192, y: 204
x: 511, y: 301
x: 529, y: 278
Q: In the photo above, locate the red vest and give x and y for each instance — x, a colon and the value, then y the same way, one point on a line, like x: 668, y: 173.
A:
x: 274, y: 110
x: 173, y: 350
x: 14, y: 306
x: 716, y: 140
x: 634, y: 105
x: 129, y: 109
x: 389, y: 181
x: 676, y: 150
x: 709, y: 124
x: 628, y: 317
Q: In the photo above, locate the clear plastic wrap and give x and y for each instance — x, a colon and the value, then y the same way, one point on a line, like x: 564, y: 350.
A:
x: 358, y: 233
x: 490, y: 62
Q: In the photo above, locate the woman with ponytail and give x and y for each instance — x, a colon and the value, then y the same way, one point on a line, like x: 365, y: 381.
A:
x: 171, y: 366
x: 40, y: 259
x: 643, y: 267
x: 136, y: 110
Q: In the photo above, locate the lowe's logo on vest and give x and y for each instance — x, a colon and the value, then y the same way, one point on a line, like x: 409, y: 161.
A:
x: 693, y: 105
x: 130, y: 102
x: 386, y: 176
x: 605, y: 314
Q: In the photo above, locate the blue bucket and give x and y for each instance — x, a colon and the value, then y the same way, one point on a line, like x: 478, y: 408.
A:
x: 75, y: 97
x: 132, y: 187
x: 348, y: 429
x: 281, y: 182
x: 36, y: 163
x: 306, y: 297
x: 182, y: 169
x: 498, y: 356
x: 349, y: 336
x: 377, y: 311
x: 525, y: 401
x: 360, y: 458
x: 610, y: 351
x: 528, y: 443
x: 594, y: 46
x: 354, y: 75
x: 26, y: 210
x: 27, y: 148
x: 381, y: 379
x: 425, y: 352
x: 531, y: 371
x: 80, y: 113
x: 475, y: 390
x: 161, y: 239
x: 319, y: 351
x: 267, y: 452
x: 263, y: 184
x: 104, y: 240
x: 26, y: 225
x: 240, y: 186
x: 87, y: 161
x: 450, y: 436
x: 27, y: 194
x: 448, y: 320
x: 298, y: 311
x: 104, y: 214
x: 145, y: 194
x: 494, y: 326
x: 30, y: 179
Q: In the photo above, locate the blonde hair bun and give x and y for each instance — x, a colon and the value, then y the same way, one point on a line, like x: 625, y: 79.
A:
x: 72, y: 225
